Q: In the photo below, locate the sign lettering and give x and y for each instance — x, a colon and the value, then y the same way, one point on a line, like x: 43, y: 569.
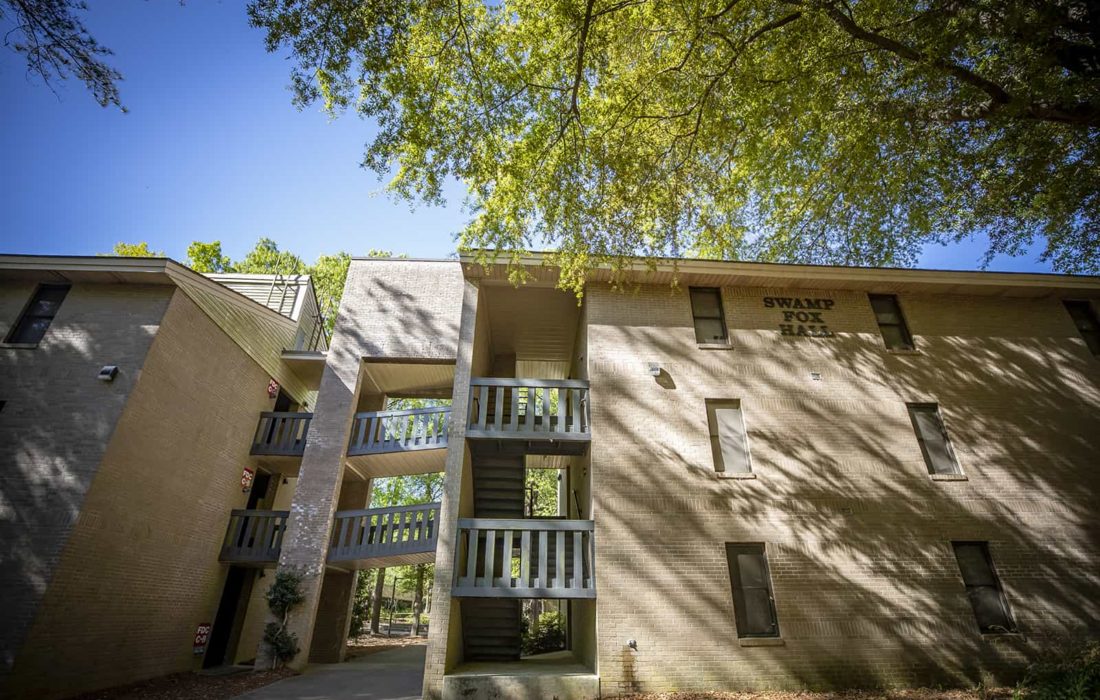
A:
x: 805, y: 316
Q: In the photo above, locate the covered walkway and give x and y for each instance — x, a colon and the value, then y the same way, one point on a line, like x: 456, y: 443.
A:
x: 395, y: 674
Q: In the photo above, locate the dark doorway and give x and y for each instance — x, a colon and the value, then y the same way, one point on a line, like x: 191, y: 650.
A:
x: 260, y: 485
x: 231, y: 611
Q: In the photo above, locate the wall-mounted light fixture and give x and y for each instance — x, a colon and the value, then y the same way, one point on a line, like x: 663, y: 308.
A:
x: 107, y: 373
x: 654, y: 369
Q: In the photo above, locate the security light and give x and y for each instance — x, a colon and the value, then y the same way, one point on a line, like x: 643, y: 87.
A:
x: 108, y: 373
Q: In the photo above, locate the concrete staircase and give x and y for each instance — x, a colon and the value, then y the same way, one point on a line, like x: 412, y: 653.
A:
x: 491, y: 626
x: 491, y: 629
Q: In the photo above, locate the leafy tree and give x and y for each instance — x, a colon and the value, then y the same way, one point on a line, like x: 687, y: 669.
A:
x: 266, y: 259
x: 56, y: 45
x: 134, y: 250
x: 208, y: 257
x: 799, y: 130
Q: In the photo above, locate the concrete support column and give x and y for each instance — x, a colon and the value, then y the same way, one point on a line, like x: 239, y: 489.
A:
x: 305, y: 546
x: 444, y: 609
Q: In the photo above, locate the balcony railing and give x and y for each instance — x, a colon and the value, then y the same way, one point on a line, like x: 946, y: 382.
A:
x: 525, y: 558
x: 379, y: 432
x: 254, y: 536
x: 281, y: 434
x: 384, y: 532
x: 553, y: 409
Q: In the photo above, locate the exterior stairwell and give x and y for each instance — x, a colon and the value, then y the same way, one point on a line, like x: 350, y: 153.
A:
x: 491, y: 626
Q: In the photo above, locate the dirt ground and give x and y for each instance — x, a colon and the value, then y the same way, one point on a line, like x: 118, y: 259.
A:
x: 371, y: 644
x: 188, y: 686
x: 908, y: 694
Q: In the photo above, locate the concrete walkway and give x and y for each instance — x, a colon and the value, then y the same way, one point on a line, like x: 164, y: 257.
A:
x: 396, y: 674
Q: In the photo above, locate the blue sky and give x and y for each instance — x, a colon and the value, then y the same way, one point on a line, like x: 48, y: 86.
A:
x: 212, y: 149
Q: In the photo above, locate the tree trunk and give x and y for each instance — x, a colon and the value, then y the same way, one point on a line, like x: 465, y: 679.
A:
x: 418, y: 601
x: 376, y: 600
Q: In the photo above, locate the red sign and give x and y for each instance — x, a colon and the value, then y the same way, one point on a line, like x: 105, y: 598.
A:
x: 202, y: 636
x: 272, y: 389
x: 246, y: 479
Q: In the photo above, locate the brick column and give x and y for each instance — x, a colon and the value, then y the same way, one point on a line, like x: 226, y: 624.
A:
x: 439, y: 630
x: 305, y: 546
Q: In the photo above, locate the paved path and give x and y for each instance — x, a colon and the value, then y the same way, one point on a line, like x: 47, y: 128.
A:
x: 396, y: 674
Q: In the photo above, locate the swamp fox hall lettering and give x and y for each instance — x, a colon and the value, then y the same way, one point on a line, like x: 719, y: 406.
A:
x: 802, y: 316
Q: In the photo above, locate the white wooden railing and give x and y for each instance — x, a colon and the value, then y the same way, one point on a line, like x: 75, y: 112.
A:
x: 254, y: 536
x: 376, y: 432
x: 554, y: 409
x: 524, y: 558
x: 281, y: 433
x: 384, y: 532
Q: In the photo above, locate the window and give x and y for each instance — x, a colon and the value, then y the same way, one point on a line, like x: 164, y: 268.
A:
x: 36, y: 318
x: 728, y: 442
x: 890, y: 322
x: 710, y: 322
x: 932, y: 436
x: 753, y: 604
x: 1087, y: 325
x: 983, y: 588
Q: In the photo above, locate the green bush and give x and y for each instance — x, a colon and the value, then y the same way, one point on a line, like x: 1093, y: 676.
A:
x: 284, y: 594
x: 1069, y: 675
x: 548, y: 634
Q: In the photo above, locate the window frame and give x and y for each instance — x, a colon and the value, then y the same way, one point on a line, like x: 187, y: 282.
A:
x: 997, y: 585
x: 1091, y: 337
x: 740, y: 608
x: 912, y: 409
x: 721, y: 317
x: 902, y: 325
x: 714, y: 436
x: 26, y: 316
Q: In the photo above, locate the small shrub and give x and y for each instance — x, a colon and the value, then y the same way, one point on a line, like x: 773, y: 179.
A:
x: 1071, y: 675
x: 548, y: 634
x: 284, y: 594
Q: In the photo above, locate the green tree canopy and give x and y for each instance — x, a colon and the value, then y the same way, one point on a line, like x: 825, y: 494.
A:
x: 800, y: 130
x: 134, y: 250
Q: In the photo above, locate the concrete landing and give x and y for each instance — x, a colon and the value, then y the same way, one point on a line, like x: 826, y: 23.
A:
x: 557, y: 675
x: 397, y: 674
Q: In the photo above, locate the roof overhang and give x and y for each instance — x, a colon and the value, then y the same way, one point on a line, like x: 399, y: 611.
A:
x: 667, y: 271
x: 409, y: 377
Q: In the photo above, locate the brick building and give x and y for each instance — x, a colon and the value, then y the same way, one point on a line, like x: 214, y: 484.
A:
x: 772, y: 476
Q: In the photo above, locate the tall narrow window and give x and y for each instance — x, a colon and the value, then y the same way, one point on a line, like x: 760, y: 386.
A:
x: 983, y: 588
x: 932, y: 436
x: 38, y: 315
x: 890, y: 322
x: 1087, y: 325
x: 753, y: 603
x: 706, y: 309
x: 728, y: 443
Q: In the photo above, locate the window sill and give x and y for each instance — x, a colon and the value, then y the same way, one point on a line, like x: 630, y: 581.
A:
x: 734, y: 475
x: 949, y: 477
x: 761, y: 642
x: 899, y: 351
x: 714, y: 346
x: 18, y: 346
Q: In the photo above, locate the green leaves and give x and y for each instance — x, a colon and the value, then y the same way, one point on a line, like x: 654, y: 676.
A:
x: 797, y: 131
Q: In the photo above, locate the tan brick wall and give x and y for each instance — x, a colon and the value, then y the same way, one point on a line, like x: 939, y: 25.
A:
x: 55, y: 426
x: 858, y: 533
x: 140, y: 569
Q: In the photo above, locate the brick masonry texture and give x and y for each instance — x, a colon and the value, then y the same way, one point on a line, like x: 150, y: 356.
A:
x: 390, y: 309
x: 140, y: 569
x: 857, y: 532
x: 55, y: 426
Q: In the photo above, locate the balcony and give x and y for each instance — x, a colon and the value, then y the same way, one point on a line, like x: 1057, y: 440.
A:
x: 360, y: 538
x: 281, y: 434
x: 254, y: 537
x: 395, y: 443
x: 385, y: 536
x: 549, y: 415
x: 524, y: 558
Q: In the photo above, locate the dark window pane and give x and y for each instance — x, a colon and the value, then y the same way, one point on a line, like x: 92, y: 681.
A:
x: 1087, y: 325
x: 983, y: 589
x: 30, y: 330
x: 710, y: 330
x: 43, y: 306
x: 895, y: 338
x: 753, y: 605
x: 973, y: 565
x: 933, y: 440
x: 706, y: 303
